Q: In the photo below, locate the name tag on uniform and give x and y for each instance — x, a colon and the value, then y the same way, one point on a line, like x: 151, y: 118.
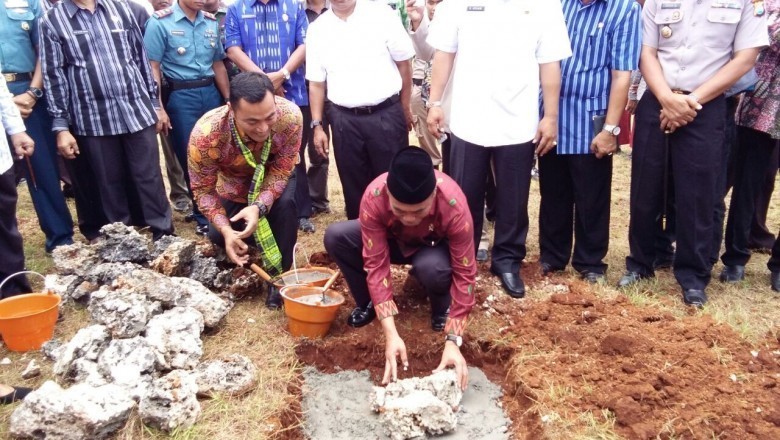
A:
x: 475, y: 8
x: 177, y: 33
x: 670, y: 5
x: 727, y: 5
x: 13, y: 4
x: 80, y: 32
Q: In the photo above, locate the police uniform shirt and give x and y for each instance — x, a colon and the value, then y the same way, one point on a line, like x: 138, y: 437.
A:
x: 18, y: 35
x: 185, y: 50
x: 695, y: 39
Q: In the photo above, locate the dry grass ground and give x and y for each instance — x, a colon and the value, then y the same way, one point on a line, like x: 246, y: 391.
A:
x: 750, y: 307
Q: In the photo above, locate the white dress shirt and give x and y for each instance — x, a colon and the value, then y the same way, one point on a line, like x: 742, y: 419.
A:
x: 499, y: 45
x: 357, y: 56
x: 12, y: 123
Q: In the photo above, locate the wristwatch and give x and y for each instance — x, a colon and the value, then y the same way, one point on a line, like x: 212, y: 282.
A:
x: 35, y: 92
x: 431, y: 104
x: 315, y: 123
x: 614, y: 130
x: 458, y: 340
x: 285, y: 73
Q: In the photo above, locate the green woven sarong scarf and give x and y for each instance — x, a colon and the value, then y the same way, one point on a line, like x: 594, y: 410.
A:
x: 269, y: 251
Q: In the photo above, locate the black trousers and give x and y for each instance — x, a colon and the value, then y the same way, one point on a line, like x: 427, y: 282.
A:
x: 725, y: 177
x: 470, y: 165
x: 282, y: 218
x: 302, y: 197
x: 125, y: 163
x: 575, y: 190
x: 363, y: 146
x: 695, y: 153
x: 752, y: 160
x: 430, y: 265
x: 760, y: 236
x: 11, y: 248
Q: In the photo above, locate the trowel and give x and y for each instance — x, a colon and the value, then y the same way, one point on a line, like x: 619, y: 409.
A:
x: 331, y: 280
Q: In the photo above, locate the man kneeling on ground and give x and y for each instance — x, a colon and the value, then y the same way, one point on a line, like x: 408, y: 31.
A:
x: 241, y: 159
x: 410, y: 215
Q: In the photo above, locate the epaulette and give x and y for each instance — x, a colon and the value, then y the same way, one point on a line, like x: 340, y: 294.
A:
x: 162, y: 13
x: 209, y: 15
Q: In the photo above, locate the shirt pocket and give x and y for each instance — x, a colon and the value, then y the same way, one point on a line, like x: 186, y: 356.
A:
x: 181, y: 49
x: 670, y: 25
x: 722, y: 22
x: 597, y: 104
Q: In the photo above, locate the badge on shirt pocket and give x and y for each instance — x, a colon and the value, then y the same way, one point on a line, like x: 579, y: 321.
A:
x: 475, y: 8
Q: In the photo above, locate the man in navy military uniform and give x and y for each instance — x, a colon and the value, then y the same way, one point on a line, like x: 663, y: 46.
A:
x: 183, y: 44
x: 18, y: 61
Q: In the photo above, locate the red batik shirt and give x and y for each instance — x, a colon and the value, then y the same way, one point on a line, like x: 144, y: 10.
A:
x: 449, y: 219
x: 219, y: 170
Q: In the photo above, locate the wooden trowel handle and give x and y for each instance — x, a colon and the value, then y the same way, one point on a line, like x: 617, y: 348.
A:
x: 263, y: 274
x: 331, y: 281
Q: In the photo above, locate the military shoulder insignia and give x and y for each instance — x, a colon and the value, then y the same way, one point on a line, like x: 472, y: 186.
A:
x: 209, y: 15
x: 162, y: 13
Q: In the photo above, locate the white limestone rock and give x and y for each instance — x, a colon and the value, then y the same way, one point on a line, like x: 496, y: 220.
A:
x: 196, y: 295
x: 74, y: 259
x: 80, y: 412
x: 123, y: 312
x: 87, y: 344
x: 171, y: 402
x: 411, y: 408
x: 233, y: 375
x: 121, y: 243
x: 129, y: 363
x: 175, y: 338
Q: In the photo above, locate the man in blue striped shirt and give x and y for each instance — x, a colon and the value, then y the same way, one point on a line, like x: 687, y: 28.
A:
x: 575, y: 179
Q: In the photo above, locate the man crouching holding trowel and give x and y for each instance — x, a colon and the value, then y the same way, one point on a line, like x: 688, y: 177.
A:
x: 241, y: 158
x: 410, y: 215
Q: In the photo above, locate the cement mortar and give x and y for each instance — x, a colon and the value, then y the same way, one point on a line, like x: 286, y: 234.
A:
x: 336, y: 407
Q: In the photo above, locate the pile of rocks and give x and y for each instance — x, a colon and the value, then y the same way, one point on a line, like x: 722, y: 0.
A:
x: 412, y: 408
x: 149, y: 304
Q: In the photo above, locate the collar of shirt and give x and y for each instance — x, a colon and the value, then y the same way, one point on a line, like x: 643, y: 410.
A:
x: 178, y: 14
x: 250, y: 3
x: 71, y: 7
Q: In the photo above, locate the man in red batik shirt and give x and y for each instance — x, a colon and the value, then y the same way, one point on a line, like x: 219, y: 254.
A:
x: 410, y: 215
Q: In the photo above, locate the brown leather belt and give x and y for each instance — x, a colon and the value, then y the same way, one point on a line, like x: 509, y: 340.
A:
x: 13, y: 77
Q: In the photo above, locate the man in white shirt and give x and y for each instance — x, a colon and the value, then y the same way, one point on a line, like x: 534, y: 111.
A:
x: 503, y: 48
x: 11, y: 249
x: 361, y: 50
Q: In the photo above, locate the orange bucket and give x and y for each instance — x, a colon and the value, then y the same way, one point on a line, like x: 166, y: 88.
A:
x: 307, y: 319
x: 27, y: 321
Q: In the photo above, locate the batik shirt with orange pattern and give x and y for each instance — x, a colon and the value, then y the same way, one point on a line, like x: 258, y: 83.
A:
x: 219, y: 170
x: 449, y: 220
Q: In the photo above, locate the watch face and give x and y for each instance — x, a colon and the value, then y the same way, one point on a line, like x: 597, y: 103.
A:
x: 616, y: 131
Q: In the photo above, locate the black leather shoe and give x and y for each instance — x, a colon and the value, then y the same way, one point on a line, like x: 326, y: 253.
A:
x: 593, y: 277
x: 732, y: 274
x: 774, y: 281
x: 695, y: 297
x: 274, y: 299
x: 190, y: 217
x: 482, y: 255
x: 439, y: 320
x: 512, y: 284
x: 545, y: 268
x: 362, y: 316
x: 202, y: 230
x: 629, y: 278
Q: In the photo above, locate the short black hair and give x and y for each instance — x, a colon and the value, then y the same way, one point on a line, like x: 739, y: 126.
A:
x: 252, y: 87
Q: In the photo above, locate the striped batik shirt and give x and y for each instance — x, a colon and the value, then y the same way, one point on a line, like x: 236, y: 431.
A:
x: 269, y: 33
x: 605, y: 36
x: 97, y: 78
